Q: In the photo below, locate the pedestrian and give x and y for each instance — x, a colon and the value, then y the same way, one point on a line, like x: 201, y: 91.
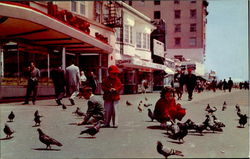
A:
x: 144, y: 84
x: 178, y: 83
x: 166, y: 108
x: 58, y: 78
x: 246, y: 85
x: 230, y: 84
x: 111, y: 87
x: 214, y: 84
x: 33, y: 78
x: 224, y: 85
x: 92, y: 81
x: 190, y: 81
x: 95, y: 111
x: 73, y: 81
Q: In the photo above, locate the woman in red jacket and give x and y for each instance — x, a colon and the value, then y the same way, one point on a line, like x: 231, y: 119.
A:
x: 111, y: 87
x: 166, y: 108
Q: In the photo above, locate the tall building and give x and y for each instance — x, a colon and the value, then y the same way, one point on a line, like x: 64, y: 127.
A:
x: 185, y: 27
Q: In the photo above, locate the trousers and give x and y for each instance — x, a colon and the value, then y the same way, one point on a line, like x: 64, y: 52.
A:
x: 111, y: 112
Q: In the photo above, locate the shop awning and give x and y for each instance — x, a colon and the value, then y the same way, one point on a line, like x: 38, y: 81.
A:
x: 169, y: 71
x: 29, y: 25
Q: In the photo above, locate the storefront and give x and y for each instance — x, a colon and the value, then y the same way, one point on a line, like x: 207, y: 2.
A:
x: 28, y: 34
x: 135, y: 70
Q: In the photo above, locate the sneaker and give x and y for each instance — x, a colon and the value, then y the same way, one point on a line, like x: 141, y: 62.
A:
x: 72, y: 101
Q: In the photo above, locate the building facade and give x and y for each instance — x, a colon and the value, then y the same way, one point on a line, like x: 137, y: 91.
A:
x: 185, y: 26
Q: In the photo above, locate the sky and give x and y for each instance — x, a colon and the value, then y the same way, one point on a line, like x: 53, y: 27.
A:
x: 227, y: 39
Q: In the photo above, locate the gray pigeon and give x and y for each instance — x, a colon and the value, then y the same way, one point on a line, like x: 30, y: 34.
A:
x: 151, y: 115
x: 166, y: 152
x: 47, y: 140
x: 11, y: 116
x: 8, y: 131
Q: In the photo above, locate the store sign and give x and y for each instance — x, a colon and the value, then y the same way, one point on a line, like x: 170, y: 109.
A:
x: 158, y: 48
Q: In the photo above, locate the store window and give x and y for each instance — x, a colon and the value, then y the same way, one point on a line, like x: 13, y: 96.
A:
x: 193, y: 13
x: 73, y: 6
x: 98, y: 10
x: 118, y: 35
x: 82, y: 8
x: 144, y: 41
x: 128, y: 34
x: 177, y: 41
x: 177, y: 14
x: 148, y: 41
x: 192, y: 41
x: 193, y: 1
x: 193, y: 27
x: 177, y: 28
x: 157, y: 15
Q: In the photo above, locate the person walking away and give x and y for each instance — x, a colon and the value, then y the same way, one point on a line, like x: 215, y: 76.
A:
x: 230, y: 84
x: 144, y: 83
x: 33, y: 78
x: 95, y: 111
x: 166, y: 108
x: 83, y: 79
x: 213, y: 85
x: 190, y: 81
x: 111, y: 87
x: 178, y: 83
x: 224, y: 85
x: 92, y: 81
x: 73, y: 81
x: 58, y: 78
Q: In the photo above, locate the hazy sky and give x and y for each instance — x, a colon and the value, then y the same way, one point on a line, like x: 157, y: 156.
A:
x: 227, y: 39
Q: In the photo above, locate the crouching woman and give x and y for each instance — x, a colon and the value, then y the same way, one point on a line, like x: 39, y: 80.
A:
x: 166, y: 108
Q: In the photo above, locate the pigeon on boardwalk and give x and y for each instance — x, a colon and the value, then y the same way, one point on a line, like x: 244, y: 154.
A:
x: 208, y: 107
x: 92, y: 130
x: 8, y: 131
x: 237, y: 107
x: 128, y: 103
x: 151, y: 115
x: 166, y: 152
x: 64, y: 107
x: 47, y: 140
x: 181, y: 133
x: 243, y: 119
x: 139, y: 108
x: 11, y: 116
x: 218, y: 122
x: 146, y: 98
x: 224, y: 106
x: 212, y: 110
x: 147, y: 105
x: 79, y: 112
x: 36, y: 113
x: 37, y: 119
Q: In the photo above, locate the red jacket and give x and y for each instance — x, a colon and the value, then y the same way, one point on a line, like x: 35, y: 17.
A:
x: 109, y: 83
x: 168, y: 109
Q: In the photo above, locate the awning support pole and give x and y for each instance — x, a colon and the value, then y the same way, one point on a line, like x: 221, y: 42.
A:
x: 63, y: 58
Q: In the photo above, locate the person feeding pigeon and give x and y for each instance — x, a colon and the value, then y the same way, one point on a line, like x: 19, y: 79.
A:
x: 111, y: 87
x: 166, y: 108
x: 95, y: 110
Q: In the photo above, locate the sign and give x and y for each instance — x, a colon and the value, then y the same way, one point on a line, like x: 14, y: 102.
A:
x: 158, y: 48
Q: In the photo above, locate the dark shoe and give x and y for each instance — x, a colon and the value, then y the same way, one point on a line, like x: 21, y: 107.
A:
x: 25, y: 103
x: 58, y: 101
x: 34, y: 102
x: 72, y: 101
x: 115, y: 126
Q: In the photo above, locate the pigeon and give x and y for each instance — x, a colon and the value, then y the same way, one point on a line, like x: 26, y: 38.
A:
x: 181, y: 133
x: 11, y: 116
x: 79, y: 112
x: 224, y: 106
x: 8, y: 131
x: 237, y: 107
x: 150, y: 115
x: 208, y: 107
x: 64, y: 107
x: 147, y: 105
x: 167, y: 152
x: 47, y: 140
x: 199, y: 128
x: 218, y: 122
x: 37, y: 119
x: 92, y: 130
x: 212, y: 110
x: 36, y: 113
x: 146, y: 98
x: 139, y: 108
x: 128, y: 103
x: 242, y: 120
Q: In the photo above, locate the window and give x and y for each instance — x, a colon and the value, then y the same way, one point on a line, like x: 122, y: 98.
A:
x: 192, y: 27
x: 176, y: 1
x: 118, y: 34
x: 177, y: 41
x: 73, y: 6
x: 98, y: 9
x: 193, y: 13
x: 157, y: 15
x: 138, y: 40
x: 82, y: 8
x: 177, y: 28
x: 157, y: 2
x: 193, y: 1
x: 144, y: 41
x: 192, y: 41
x: 128, y: 34
x: 148, y: 41
x: 177, y: 14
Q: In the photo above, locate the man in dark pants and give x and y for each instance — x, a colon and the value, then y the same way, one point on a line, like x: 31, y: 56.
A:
x: 230, y: 84
x: 58, y: 78
x: 33, y: 77
x: 190, y: 81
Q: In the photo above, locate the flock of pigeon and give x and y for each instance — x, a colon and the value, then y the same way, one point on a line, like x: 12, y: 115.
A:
x: 175, y: 131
